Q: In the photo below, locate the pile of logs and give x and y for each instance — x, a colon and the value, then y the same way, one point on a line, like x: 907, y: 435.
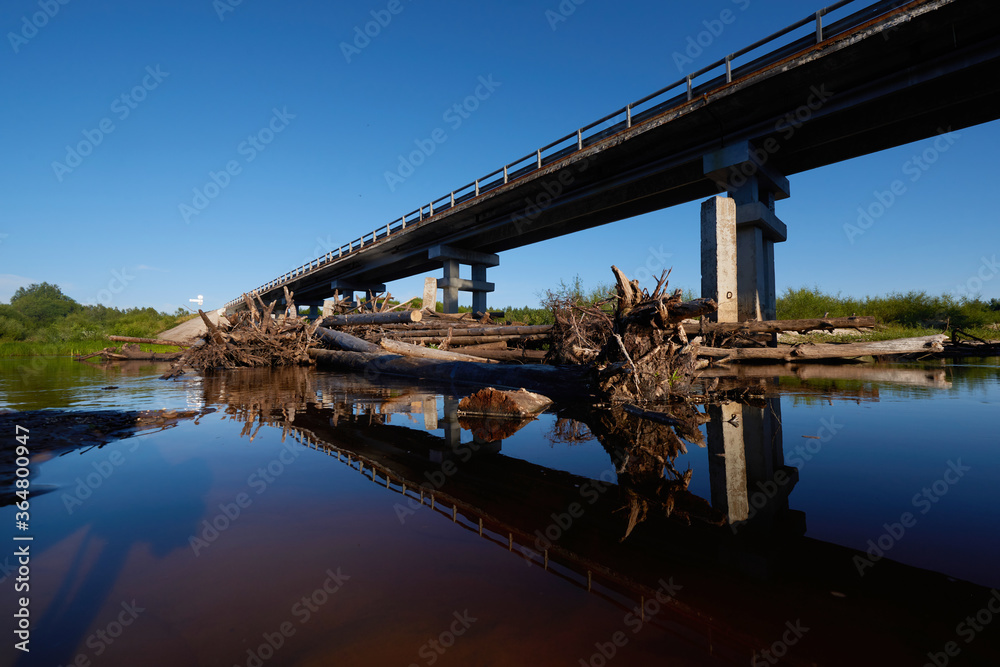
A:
x: 462, y: 334
x: 251, y: 338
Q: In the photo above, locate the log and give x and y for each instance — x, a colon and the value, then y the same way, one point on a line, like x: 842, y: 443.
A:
x: 148, y: 341
x: 481, y: 331
x: 568, y: 382
x: 492, y: 402
x: 359, y: 319
x: 829, y: 350
x: 531, y: 356
x: 501, y: 345
x: 346, y: 341
x: 656, y: 313
x: 777, y: 326
x: 396, y: 347
x: 462, y: 339
x: 449, y: 316
x: 214, y: 330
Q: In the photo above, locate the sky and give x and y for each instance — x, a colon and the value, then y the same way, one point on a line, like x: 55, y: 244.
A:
x: 153, y: 151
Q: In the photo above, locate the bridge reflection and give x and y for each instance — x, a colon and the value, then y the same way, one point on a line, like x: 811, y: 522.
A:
x: 625, y: 532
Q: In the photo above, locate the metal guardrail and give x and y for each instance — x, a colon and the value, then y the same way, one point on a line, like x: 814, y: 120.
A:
x: 637, y: 112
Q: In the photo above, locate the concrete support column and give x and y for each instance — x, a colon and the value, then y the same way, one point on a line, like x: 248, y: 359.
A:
x: 478, y: 295
x: 754, y: 187
x: 755, y: 275
x: 450, y: 289
x: 718, y: 256
x: 430, y: 294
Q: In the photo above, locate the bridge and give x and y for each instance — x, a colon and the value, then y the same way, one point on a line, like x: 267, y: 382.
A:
x: 884, y: 75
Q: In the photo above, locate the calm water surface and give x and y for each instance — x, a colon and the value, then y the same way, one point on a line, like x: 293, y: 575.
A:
x: 278, y: 518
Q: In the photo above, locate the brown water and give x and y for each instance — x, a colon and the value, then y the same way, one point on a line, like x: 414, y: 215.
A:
x: 278, y: 518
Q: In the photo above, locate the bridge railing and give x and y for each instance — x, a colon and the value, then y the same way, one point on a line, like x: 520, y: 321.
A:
x: 724, y: 71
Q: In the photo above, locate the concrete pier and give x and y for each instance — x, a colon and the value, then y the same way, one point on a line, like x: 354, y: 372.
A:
x: 452, y: 283
x: 742, y: 171
x: 718, y: 256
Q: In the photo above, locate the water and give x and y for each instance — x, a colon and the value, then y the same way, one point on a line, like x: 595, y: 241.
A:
x: 260, y: 518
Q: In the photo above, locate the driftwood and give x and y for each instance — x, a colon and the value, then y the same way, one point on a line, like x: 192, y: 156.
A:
x: 396, y: 347
x: 462, y: 339
x: 148, y: 341
x: 346, y: 341
x: 829, y: 350
x: 777, y: 326
x: 561, y: 382
x: 648, y: 356
x: 250, y: 339
x: 131, y: 352
x: 360, y: 319
x: 527, y: 356
x: 482, y: 331
x: 492, y: 402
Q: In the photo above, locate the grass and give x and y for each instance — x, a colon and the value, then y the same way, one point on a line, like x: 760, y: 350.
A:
x: 26, y: 348
x: 898, y: 315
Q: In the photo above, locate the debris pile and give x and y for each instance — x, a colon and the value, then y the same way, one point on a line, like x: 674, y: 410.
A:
x: 251, y: 338
x: 641, y: 352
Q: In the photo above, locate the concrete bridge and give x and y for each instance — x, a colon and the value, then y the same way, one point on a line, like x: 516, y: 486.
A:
x: 886, y: 74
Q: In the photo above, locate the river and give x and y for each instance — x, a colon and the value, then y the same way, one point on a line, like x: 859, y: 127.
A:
x: 836, y: 515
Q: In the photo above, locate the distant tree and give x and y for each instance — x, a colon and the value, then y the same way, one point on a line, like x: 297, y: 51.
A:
x: 42, y: 303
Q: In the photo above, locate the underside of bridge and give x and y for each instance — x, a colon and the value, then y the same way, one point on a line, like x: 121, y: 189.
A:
x: 911, y: 72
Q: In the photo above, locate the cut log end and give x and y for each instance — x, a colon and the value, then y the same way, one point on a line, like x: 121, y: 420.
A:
x: 500, y: 403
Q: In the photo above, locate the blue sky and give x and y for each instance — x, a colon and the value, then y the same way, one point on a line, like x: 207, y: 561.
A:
x: 121, y: 225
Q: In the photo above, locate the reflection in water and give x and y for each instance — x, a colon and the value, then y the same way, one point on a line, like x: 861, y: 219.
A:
x: 749, y: 478
x: 618, y: 534
x: 740, y: 552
